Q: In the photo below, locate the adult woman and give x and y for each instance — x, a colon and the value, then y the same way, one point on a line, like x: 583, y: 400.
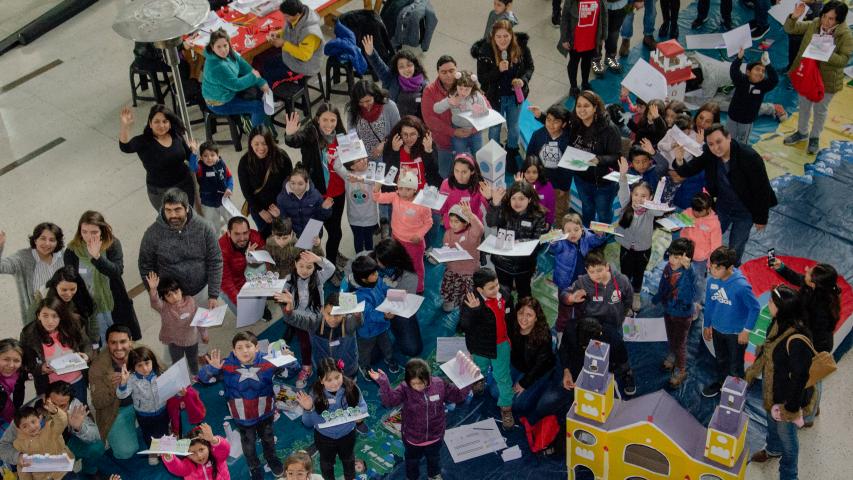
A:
x: 317, y: 142
x: 405, y: 80
x: 536, y: 380
x: 583, y: 30
x: 372, y: 114
x: 33, y: 267
x: 55, y: 331
x: 707, y: 115
x: 163, y: 151
x: 504, y: 66
x: 592, y: 131
x: 784, y: 361
x: 97, y: 257
x: 262, y: 171
x: 411, y: 148
x: 229, y: 85
x: 831, y: 28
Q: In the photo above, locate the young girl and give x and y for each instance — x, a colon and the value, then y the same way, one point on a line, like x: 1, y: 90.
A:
x: 466, y: 230
x: 582, y: 32
x: 67, y: 285
x: 396, y: 271
x: 462, y: 185
x: 636, y: 224
x: 55, y: 332
x: 362, y: 211
x: 464, y: 96
x: 300, y: 465
x: 533, y: 172
x: 300, y: 203
x: 214, y: 182
x: 410, y: 150
x: 516, y: 210
x: 423, y: 423
x: 651, y: 125
x: 405, y: 81
x: 332, y: 392
x: 176, y: 314
x: 11, y: 378
x: 335, y: 336
x: 548, y: 144
x: 208, y: 458
x: 301, y: 302
x: 141, y: 385
x: 706, y: 235
x: 409, y: 222
x: 568, y: 258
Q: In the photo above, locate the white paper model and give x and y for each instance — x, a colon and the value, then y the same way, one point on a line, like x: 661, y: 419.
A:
x: 492, y: 161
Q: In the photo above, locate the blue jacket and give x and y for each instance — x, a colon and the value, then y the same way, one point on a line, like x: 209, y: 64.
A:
x: 730, y: 305
x: 337, y: 401
x: 652, y: 176
x: 212, y: 181
x: 678, y: 301
x: 568, y: 257
x: 248, y: 388
x: 345, y: 48
x: 375, y: 322
x: 300, y: 210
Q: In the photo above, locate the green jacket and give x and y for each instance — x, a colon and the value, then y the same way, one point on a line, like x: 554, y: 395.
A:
x: 223, y: 78
x: 831, y: 70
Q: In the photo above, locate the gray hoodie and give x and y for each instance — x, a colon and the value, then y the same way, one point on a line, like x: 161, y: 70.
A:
x: 190, y: 254
x: 605, y: 302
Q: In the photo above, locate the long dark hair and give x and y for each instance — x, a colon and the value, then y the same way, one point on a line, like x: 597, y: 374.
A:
x: 176, y: 126
x: 276, y: 157
x: 69, y: 328
x: 599, y: 119
x: 361, y: 89
x: 143, y: 354
x: 411, y: 122
x: 528, y: 191
x: 789, y: 311
x: 82, y: 302
x: 326, y: 107
x: 315, y: 303
x: 351, y: 391
x: 541, y: 333
x: 391, y: 254
x: 407, y: 55
x: 825, y: 294
x: 534, y: 161
x: 628, y: 210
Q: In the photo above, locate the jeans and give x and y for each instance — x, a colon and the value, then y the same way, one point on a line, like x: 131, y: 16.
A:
x: 632, y: 264
x: 191, y: 354
x: 500, y: 372
x: 614, y: 23
x: 365, y: 350
x: 700, y: 268
x: 596, y: 202
x: 520, y: 283
x: 239, y: 106
x: 362, y: 238
x: 467, y: 145
x: 122, y: 436
x: 820, y: 110
x: 105, y: 320
x: 445, y: 161
x: 739, y: 131
x: 330, y: 448
x: 248, y: 439
x: 413, y: 455
x: 89, y: 453
x: 649, y: 15
x: 729, y: 355
x: 511, y: 110
x: 782, y: 440
x: 741, y: 224
x: 407, y: 335
x: 705, y: 5
x: 546, y: 396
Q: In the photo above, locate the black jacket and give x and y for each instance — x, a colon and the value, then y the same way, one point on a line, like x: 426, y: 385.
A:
x: 527, y: 226
x: 748, y: 96
x: 601, y: 138
x: 821, y: 321
x: 490, y: 77
x: 478, y: 325
x: 654, y: 131
x: 790, y: 374
x: 307, y: 140
x: 534, y: 361
x: 431, y: 176
x: 368, y: 22
x: 111, y: 264
x: 747, y: 176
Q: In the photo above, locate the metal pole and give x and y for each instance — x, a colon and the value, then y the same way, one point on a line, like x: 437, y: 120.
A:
x: 170, y: 50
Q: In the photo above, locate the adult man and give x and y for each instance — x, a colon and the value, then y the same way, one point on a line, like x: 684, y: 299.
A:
x: 182, y: 246
x: 233, y: 245
x: 440, y: 124
x: 81, y: 434
x: 116, y: 418
x: 300, y: 42
x: 736, y: 178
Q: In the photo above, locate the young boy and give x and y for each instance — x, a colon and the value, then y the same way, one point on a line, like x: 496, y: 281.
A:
x: 650, y: 167
x: 35, y: 439
x: 369, y: 288
x: 483, y: 319
x: 676, y: 292
x: 214, y: 183
x: 335, y: 336
x: 281, y: 245
x: 750, y: 89
x: 730, y: 312
x: 607, y: 295
x: 548, y: 143
x: 248, y: 382
x: 502, y: 11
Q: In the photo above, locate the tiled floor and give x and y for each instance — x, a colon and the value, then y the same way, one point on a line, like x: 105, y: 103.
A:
x: 79, y: 101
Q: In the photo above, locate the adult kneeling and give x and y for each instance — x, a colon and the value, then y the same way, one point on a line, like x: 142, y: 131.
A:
x: 116, y: 418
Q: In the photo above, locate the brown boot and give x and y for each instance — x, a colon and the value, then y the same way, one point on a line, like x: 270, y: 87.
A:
x: 762, y: 456
x: 507, y: 420
x: 649, y: 42
x: 625, y: 48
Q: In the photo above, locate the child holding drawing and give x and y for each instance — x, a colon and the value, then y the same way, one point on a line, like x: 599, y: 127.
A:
x: 176, y: 314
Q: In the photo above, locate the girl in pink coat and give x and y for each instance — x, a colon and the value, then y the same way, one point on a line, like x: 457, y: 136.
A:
x: 462, y: 184
x: 466, y: 230
x: 706, y: 235
x: 207, y: 459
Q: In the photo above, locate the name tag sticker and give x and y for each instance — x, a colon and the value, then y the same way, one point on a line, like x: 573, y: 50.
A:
x: 185, y: 316
x: 210, y: 174
x: 525, y: 223
x: 336, y: 343
x: 433, y: 398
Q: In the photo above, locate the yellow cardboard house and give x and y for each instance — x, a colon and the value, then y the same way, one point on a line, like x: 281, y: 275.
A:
x: 651, y: 437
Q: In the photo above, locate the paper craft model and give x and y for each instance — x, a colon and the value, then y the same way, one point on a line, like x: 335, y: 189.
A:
x: 656, y: 203
x: 670, y: 59
x: 505, y: 239
x: 465, y: 366
x: 347, y: 301
x: 651, y: 436
x: 492, y: 161
x: 430, y: 194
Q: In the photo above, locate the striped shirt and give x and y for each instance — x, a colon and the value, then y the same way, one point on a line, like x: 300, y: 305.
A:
x: 44, y: 271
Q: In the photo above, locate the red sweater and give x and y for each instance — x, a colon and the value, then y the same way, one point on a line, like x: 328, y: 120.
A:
x: 234, y: 263
x: 498, y: 306
x: 439, y: 123
x: 336, y: 187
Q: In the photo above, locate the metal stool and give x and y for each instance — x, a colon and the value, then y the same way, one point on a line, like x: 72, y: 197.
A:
x: 140, y: 77
x: 292, y: 95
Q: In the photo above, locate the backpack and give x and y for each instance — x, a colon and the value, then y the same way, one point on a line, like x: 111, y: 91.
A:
x: 541, y: 434
x: 807, y: 81
x: 822, y: 362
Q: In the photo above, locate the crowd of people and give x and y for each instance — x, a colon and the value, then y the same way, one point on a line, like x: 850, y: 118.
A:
x: 197, y: 254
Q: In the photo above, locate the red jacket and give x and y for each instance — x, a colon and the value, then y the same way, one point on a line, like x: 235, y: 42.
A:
x: 440, y: 124
x: 234, y: 263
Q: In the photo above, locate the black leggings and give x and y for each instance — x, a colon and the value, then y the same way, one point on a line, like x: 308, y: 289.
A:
x: 333, y: 228
x: 614, y: 24
x: 516, y: 282
x: 632, y: 264
x: 585, y: 60
x: 331, y: 448
x: 669, y: 11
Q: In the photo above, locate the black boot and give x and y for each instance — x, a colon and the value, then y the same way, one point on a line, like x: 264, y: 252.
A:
x: 663, y: 31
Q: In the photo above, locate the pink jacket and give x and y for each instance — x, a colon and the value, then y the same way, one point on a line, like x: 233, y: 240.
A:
x: 407, y: 219
x: 456, y: 195
x: 469, y: 239
x: 706, y: 234
x: 191, y: 402
x: 185, y: 468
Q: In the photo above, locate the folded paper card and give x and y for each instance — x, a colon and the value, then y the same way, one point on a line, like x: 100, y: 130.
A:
x: 646, y: 82
x: 405, y: 308
x: 614, y: 177
x: 261, y: 256
x: 430, y: 197
x: 737, y: 38
x: 493, y: 245
x: 461, y: 370
x: 340, y: 416
x: 450, y: 254
x: 644, y: 329
x: 209, y: 318
x: 474, y: 440
x: 168, y: 445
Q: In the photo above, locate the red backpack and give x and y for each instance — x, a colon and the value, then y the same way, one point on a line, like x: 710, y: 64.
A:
x: 542, y: 434
x: 807, y: 81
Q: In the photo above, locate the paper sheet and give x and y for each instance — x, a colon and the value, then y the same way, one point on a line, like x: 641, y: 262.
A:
x: 269, y: 103
x: 170, y: 382
x: 434, y: 202
x: 344, y: 311
x: 646, y: 82
x: 450, y: 254
x: 689, y: 143
x: 644, y: 330
x: 481, y: 123
x: 849, y: 71
x: 519, y: 248
x: 267, y: 290
x: 262, y: 256
x: 511, y: 453
x: 614, y: 177
x: 474, y: 440
x: 605, y: 228
x: 70, y: 362
x: 311, y: 231
x: 279, y: 359
x: 403, y: 309
x: 783, y: 9
x: 209, y: 318
x: 343, y: 419
x: 705, y: 41
x: 249, y: 310
x: 736, y: 39
x: 575, y: 159
x: 48, y: 463
x: 231, y: 208
x: 553, y: 236
x: 168, y: 445
x: 819, y: 50
x: 461, y: 380
x: 446, y: 348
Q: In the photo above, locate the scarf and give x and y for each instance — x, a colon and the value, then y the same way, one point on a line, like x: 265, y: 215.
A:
x: 101, y: 293
x: 372, y: 115
x: 413, y: 84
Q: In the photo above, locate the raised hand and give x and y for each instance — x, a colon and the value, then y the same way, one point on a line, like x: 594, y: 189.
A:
x: 153, y: 280
x: 654, y: 113
x: 577, y: 297
x: 568, y: 381
x: 305, y: 401
x: 193, y: 144
x: 291, y: 124
x: 327, y: 203
x: 486, y: 190
x: 519, y: 177
x: 397, y: 142
x: 471, y: 300
x: 427, y: 142
x: 375, y: 374
x: 310, y: 256
x: 125, y: 375
x: 274, y: 210
x: 623, y: 166
x: 707, y: 333
x: 50, y: 407
x: 252, y: 247
x: 126, y: 116
x: 76, y: 416
x: 206, y: 433
x: 535, y: 110
x: 498, y: 195
x: 740, y: 54
x: 93, y: 246
x: 465, y: 205
x: 214, y: 359
x: 367, y: 43
x: 799, y: 10
x: 647, y: 146
x: 285, y: 298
